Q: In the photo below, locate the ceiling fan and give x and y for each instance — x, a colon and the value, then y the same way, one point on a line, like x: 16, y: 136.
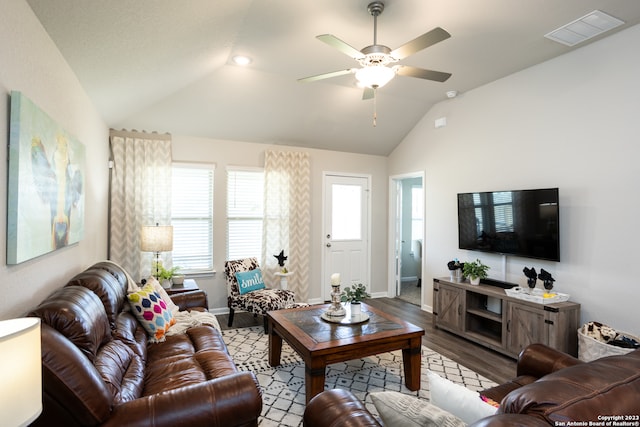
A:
x: 376, y: 60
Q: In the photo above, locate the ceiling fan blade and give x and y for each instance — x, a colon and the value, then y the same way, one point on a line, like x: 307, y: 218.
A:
x: 325, y: 76
x: 343, y: 47
x: 368, y: 93
x: 424, y: 41
x: 421, y: 73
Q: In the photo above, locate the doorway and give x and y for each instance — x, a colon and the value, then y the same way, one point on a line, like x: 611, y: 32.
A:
x: 346, y: 230
x: 407, y: 237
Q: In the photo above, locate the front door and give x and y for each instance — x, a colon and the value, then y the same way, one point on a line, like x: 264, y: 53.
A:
x: 346, y: 231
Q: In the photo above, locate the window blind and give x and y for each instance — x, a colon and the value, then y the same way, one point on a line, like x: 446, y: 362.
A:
x: 245, y: 213
x: 192, y: 217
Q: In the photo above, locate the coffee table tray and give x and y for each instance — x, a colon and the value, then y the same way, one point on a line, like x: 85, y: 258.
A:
x: 346, y: 320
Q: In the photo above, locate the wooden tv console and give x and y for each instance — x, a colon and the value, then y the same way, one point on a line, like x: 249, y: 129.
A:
x: 486, y: 315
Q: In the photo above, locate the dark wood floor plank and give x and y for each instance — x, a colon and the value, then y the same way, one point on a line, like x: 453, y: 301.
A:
x: 488, y: 363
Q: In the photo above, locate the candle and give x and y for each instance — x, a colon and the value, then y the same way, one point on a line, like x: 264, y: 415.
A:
x: 335, y: 279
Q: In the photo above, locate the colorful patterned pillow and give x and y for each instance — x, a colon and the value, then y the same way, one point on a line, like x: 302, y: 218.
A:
x: 152, y: 312
x: 249, y: 281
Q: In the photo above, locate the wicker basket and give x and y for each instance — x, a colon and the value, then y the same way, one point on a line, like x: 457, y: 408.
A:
x: 590, y: 349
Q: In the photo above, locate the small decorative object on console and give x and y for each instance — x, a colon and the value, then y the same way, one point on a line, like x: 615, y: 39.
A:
x: 532, y: 276
x: 455, y: 270
x: 546, y: 278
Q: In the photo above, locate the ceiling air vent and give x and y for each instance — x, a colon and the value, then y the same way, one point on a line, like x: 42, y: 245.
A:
x: 590, y: 25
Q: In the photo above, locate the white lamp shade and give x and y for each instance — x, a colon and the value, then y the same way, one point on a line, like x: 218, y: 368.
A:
x: 20, y: 371
x: 156, y: 238
x: 375, y: 76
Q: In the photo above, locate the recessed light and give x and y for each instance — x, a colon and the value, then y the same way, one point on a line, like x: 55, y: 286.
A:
x: 241, y: 60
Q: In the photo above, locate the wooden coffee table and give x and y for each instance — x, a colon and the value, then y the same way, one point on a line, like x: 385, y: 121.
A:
x: 321, y: 343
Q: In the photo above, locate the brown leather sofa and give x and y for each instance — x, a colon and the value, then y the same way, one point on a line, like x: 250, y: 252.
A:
x: 99, y: 369
x: 551, y: 388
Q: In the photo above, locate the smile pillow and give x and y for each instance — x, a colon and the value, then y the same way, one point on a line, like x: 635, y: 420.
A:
x: 249, y: 281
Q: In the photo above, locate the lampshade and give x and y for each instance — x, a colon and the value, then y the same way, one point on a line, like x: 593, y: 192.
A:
x: 20, y: 371
x: 375, y: 75
x: 156, y: 238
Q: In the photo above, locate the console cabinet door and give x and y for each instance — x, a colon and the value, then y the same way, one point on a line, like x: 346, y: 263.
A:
x: 448, y: 306
x: 525, y: 325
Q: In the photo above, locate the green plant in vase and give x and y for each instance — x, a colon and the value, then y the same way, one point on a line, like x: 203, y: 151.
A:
x: 164, y: 275
x: 475, y: 271
x: 354, y: 295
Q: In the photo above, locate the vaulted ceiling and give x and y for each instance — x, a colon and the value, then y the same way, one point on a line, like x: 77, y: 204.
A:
x: 166, y: 65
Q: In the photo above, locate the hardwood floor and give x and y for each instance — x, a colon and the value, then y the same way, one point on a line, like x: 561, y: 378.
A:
x: 488, y: 363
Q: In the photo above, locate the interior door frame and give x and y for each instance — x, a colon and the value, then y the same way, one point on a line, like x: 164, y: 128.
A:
x: 394, y: 195
x: 326, y: 292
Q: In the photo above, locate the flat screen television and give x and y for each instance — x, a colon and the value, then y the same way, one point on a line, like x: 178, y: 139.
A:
x: 523, y: 223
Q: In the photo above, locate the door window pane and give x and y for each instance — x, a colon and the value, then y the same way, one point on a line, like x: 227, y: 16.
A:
x: 346, y: 212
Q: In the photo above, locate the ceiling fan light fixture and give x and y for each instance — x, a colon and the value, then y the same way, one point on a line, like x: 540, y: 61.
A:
x: 375, y: 76
x: 241, y: 60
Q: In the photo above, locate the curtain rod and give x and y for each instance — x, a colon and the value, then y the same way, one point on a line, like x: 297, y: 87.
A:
x: 139, y: 134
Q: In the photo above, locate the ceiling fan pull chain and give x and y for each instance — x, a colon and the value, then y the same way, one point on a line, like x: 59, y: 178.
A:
x: 375, y: 107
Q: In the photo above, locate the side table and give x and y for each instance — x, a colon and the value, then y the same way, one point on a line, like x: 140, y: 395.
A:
x: 187, y: 286
x: 283, y: 279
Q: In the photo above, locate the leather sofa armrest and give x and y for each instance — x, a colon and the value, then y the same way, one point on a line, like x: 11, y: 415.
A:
x: 233, y: 400
x: 337, y: 407
x: 538, y: 360
x: 191, y: 299
x: 510, y: 420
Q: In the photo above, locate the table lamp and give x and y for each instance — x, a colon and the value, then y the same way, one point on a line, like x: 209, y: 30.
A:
x: 20, y: 371
x: 156, y: 238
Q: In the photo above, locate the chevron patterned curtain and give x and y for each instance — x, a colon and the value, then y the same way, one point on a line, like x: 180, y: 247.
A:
x: 287, y: 218
x: 140, y: 190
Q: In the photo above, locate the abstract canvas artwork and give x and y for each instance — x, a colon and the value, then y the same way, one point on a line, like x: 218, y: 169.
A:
x: 46, y: 184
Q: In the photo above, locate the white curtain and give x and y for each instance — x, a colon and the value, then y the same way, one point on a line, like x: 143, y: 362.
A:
x: 140, y: 194
x: 287, y: 218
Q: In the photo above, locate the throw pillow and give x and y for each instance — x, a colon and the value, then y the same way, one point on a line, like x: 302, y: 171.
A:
x: 173, y: 308
x: 151, y: 311
x: 400, y: 410
x: 249, y: 281
x: 464, y: 403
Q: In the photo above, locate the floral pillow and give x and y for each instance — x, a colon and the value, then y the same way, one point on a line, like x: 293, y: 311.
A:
x: 152, y: 312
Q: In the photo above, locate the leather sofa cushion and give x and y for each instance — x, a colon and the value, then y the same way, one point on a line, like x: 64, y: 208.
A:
x: 78, y: 314
x: 122, y: 370
x: 71, y: 382
x: 130, y: 332
x: 186, y: 359
x: 116, y: 271
x: 581, y: 393
x: 106, y: 287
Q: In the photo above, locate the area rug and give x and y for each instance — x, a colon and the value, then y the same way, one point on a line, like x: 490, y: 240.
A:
x: 283, y: 391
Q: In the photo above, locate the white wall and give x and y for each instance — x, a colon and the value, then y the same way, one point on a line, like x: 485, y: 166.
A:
x: 571, y: 123
x: 30, y: 63
x: 232, y: 153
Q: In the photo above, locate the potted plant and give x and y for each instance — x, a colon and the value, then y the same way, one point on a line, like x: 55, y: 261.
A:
x: 165, y: 276
x: 354, y: 296
x: 475, y: 271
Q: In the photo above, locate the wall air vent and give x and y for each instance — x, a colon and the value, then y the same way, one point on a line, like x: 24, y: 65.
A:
x: 582, y: 29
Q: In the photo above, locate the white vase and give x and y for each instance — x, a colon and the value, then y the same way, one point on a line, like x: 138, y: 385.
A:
x: 356, y: 309
x: 166, y: 283
x: 474, y: 281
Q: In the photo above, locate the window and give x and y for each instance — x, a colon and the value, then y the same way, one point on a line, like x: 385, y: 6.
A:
x: 192, y: 217
x: 245, y: 213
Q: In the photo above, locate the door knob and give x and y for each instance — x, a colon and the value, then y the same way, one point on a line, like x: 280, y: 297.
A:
x: 328, y: 245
